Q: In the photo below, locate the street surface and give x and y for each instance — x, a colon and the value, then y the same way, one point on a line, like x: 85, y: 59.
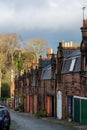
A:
x: 27, y: 122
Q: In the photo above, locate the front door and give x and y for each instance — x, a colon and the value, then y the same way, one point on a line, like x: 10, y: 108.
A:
x: 31, y: 104
x: 59, y: 105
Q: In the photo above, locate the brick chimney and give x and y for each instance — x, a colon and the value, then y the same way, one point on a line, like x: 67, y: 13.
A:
x: 83, y: 46
x: 53, y: 65
x: 40, y: 61
x: 84, y: 30
x: 49, y: 53
x: 59, y: 61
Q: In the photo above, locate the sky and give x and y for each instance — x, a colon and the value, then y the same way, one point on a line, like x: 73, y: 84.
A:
x: 52, y: 20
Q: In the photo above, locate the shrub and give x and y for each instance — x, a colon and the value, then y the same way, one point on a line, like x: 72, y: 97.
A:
x: 41, y: 113
x: 16, y: 109
x: 20, y: 107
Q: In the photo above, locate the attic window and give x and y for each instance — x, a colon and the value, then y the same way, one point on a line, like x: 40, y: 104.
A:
x: 72, y: 65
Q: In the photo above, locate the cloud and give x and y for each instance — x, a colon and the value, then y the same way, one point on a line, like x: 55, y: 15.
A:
x: 40, y: 14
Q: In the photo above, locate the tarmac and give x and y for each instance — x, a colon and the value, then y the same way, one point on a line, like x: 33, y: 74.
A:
x: 79, y: 126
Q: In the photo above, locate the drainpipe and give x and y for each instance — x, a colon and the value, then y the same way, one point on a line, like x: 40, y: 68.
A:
x: 44, y: 94
x: 55, y: 93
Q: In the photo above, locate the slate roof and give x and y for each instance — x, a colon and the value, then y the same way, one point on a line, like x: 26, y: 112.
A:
x: 72, y: 61
x: 45, y: 63
x: 46, y: 73
x: 67, y: 66
x: 67, y: 52
x: 74, y: 54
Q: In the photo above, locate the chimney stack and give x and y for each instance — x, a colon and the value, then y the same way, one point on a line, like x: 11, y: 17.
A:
x: 84, y: 29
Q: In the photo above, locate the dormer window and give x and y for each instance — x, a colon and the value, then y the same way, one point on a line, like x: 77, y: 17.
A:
x: 72, y: 65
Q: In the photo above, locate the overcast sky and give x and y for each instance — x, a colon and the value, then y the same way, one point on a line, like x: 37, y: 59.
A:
x: 53, y: 20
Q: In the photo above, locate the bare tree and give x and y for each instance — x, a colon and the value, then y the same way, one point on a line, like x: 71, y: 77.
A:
x: 38, y: 45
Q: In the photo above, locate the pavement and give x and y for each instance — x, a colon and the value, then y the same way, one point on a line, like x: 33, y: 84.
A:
x: 66, y: 122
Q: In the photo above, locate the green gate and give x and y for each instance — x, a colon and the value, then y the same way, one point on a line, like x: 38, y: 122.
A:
x: 80, y: 109
x: 76, y: 109
x: 84, y: 111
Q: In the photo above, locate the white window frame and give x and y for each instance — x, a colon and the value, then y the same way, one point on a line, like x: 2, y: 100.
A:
x: 72, y: 65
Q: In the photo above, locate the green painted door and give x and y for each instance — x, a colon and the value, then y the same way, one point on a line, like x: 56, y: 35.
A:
x: 76, y: 109
x: 83, y: 111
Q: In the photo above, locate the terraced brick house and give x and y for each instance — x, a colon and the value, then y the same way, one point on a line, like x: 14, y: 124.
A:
x: 58, y: 84
x: 74, y: 80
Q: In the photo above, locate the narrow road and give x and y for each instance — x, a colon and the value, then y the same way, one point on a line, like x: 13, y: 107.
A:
x: 27, y: 122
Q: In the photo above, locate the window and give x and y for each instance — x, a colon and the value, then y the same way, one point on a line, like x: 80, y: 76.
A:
x: 72, y: 64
